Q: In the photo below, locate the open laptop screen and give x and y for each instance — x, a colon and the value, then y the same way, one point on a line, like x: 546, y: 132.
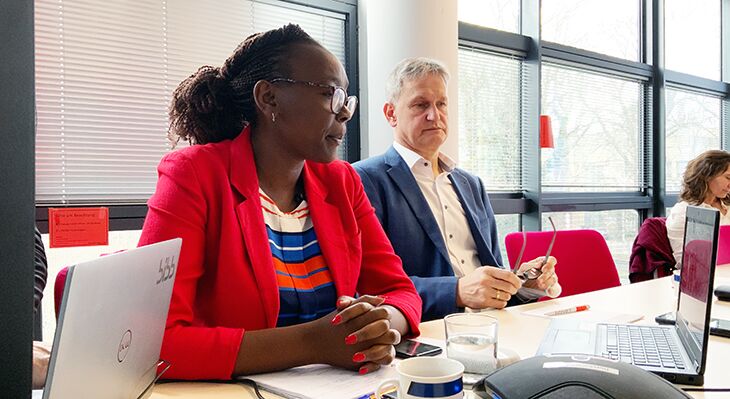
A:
x: 700, y: 247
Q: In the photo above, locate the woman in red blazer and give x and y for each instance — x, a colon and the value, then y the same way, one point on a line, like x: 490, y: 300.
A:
x: 271, y: 118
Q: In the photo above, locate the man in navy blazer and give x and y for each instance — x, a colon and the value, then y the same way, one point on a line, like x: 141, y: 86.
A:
x: 438, y: 217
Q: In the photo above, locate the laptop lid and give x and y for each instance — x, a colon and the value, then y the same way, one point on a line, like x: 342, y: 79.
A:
x: 697, y: 278
x: 111, y: 322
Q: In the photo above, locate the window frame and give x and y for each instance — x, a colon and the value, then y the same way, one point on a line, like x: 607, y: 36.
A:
x: 649, y: 201
x: 130, y: 216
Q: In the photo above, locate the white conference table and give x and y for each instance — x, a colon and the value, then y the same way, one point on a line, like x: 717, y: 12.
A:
x: 523, y: 333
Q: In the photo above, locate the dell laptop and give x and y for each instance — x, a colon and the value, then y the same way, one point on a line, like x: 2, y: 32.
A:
x: 111, y: 322
x: 677, y: 353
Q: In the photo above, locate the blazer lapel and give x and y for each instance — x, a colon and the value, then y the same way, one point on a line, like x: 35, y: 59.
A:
x: 330, y: 233
x: 251, y: 221
x: 406, y: 183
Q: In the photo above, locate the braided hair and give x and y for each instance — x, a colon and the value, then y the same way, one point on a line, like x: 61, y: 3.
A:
x: 215, y: 103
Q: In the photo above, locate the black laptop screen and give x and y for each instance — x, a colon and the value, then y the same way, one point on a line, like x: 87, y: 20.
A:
x: 697, y: 269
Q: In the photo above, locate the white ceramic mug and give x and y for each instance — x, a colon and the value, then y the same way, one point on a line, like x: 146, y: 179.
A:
x: 426, y: 377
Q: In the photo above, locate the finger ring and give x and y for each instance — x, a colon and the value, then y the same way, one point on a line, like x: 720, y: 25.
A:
x: 497, y: 297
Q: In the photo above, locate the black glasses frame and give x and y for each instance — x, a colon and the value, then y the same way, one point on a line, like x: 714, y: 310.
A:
x: 534, y: 273
x: 345, y: 101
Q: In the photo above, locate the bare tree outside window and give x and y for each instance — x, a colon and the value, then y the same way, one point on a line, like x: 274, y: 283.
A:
x: 597, y: 128
x: 496, y: 14
x: 693, y: 31
x: 608, y: 27
x: 692, y: 126
x: 489, y: 118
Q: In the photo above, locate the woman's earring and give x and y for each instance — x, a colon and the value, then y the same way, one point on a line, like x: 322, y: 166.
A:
x: 273, y: 117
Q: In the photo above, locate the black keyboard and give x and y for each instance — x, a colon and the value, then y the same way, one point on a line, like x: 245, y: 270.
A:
x: 643, y: 346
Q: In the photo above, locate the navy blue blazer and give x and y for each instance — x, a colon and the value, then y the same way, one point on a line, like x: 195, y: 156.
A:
x: 409, y: 223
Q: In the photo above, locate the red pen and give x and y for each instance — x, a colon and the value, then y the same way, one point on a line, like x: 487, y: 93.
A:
x: 568, y: 310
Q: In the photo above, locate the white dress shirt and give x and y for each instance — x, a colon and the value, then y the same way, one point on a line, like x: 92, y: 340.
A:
x: 675, y: 226
x: 446, y: 208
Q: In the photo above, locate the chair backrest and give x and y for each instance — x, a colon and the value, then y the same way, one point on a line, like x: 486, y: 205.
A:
x: 584, y: 261
x: 58, y: 287
x: 651, y: 253
x: 60, y: 284
x: 723, y: 246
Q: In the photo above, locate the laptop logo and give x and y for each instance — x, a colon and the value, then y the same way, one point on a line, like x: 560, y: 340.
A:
x: 166, y: 269
x: 124, y: 346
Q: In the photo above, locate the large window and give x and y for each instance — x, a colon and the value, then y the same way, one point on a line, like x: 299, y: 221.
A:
x: 693, y: 37
x: 506, y: 224
x: 489, y: 118
x: 496, y: 14
x: 608, y: 27
x: 692, y: 126
x: 104, y: 75
x: 619, y: 123
x: 597, y: 127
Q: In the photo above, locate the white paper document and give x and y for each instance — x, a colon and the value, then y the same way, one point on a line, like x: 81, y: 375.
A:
x: 322, y: 381
x: 590, y: 315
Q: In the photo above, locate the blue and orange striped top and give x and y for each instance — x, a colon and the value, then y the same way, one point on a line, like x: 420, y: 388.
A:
x: 306, y: 288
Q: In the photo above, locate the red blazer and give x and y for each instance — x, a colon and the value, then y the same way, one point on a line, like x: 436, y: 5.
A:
x: 225, y: 281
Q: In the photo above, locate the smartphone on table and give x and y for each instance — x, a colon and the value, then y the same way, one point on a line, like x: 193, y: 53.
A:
x: 719, y: 327
x: 410, y: 348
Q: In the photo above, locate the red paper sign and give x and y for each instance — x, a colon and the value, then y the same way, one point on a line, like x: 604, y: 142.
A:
x: 78, y: 227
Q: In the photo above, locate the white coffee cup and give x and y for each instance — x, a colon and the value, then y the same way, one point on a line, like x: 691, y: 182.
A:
x: 426, y: 377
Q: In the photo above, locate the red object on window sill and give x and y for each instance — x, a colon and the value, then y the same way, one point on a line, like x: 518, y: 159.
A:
x: 546, y: 132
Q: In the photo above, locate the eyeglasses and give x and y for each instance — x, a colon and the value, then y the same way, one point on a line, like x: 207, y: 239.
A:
x: 340, y: 99
x: 535, y: 272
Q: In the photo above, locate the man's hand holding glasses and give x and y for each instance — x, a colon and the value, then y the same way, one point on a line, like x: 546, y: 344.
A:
x: 539, y: 273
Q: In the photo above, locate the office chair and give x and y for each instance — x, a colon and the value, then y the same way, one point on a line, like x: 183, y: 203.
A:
x: 60, y: 284
x: 58, y: 287
x: 651, y: 254
x: 723, y: 246
x: 584, y: 261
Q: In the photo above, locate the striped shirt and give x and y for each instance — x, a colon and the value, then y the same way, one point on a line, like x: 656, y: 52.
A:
x: 306, y: 289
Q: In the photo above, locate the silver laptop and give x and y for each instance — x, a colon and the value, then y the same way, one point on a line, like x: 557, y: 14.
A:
x: 677, y: 353
x: 110, y: 324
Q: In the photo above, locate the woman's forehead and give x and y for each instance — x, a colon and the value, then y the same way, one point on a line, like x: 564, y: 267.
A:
x: 316, y: 64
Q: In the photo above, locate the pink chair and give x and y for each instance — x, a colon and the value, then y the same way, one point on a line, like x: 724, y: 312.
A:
x: 584, y: 262
x: 58, y: 288
x: 723, y: 246
x: 60, y: 284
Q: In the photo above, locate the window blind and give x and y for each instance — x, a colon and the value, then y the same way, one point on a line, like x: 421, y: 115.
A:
x: 693, y: 125
x: 597, y: 128
x: 105, y: 72
x: 489, y: 118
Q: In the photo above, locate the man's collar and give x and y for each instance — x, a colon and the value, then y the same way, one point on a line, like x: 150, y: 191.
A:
x: 411, y: 157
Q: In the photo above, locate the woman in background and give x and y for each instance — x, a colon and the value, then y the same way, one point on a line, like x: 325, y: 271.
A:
x: 278, y: 237
x: 705, y: 183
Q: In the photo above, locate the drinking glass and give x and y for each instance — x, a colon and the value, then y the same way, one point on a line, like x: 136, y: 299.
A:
x: 471, y: 338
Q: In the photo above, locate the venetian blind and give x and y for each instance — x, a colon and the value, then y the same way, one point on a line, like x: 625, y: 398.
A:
x: 489, y: 118
x: 105, y: 72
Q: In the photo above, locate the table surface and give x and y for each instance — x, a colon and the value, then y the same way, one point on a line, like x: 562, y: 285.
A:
x: 523, y: 333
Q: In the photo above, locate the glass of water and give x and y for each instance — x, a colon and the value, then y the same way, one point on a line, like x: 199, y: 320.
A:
x: 471, y: 338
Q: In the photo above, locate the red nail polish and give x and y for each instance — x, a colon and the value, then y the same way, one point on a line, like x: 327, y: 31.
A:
x: 358, y: 357
x: 350, y: 339
x: 363, y: 370
x: 336, y: 320
x: 341, y: 302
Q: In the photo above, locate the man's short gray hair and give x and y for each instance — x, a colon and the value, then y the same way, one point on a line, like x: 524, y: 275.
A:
x: 411, y: 69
